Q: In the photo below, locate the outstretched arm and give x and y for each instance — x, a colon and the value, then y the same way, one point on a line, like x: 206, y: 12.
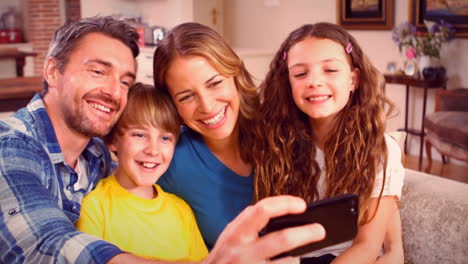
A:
x: 393, y: 242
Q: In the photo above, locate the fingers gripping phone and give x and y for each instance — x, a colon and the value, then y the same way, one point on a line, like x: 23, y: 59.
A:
x: 338, y: 215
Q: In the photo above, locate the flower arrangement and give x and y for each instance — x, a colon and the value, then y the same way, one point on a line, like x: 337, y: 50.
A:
x: 418, y: 44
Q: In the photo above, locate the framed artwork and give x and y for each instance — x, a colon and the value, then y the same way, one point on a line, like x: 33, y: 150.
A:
x: 365, y: 14
x: 411, y: 69
x: 454, y: 12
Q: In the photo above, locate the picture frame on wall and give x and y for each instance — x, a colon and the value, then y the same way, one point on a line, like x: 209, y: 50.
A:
x: 453, y: 12
x: 365, y: 14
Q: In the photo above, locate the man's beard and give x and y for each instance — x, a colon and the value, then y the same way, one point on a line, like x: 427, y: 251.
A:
x: 80, y: 122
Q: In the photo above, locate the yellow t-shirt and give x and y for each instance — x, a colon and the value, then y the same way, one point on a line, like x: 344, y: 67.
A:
x: 163, y: 228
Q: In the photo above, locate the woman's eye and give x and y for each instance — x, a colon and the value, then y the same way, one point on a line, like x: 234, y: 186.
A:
x: 185, y: 98
x: 214, y: 84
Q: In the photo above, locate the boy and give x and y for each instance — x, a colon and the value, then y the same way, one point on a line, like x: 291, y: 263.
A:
x: 127, y: 208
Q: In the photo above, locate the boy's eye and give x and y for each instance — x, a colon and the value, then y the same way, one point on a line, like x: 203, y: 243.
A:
x: 138, y: 135
x: 166, y: 138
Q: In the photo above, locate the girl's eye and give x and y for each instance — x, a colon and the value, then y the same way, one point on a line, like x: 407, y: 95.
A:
x: 300, y: 74
x: 331, y: 70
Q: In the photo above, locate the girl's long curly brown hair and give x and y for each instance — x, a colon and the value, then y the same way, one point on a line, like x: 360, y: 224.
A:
x: 284, y: 159
x: 194, y: 39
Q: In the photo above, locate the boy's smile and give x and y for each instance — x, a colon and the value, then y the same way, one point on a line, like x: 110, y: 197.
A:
x: 144, y: 154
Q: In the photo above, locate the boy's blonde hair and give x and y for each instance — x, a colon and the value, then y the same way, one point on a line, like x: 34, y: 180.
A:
x: 147, y: 106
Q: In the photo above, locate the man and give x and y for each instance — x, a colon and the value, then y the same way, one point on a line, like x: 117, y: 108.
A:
x: 50, y: 157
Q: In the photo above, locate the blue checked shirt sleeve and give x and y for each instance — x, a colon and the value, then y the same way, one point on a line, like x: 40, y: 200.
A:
x: 33, y: 227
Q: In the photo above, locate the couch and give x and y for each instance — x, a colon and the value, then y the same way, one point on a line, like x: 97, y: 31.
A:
x: 447, y: 127
x: 434, y: 213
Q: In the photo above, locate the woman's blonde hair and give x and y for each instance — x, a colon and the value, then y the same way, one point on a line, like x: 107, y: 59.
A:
x: 147, y: 107
x: 194, y: 39
x: 284, y: 158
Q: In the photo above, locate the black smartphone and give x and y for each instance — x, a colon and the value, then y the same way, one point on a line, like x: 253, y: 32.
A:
x: 338, y: 215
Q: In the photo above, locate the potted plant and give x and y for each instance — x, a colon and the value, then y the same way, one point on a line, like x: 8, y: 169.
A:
x: 424, y: 47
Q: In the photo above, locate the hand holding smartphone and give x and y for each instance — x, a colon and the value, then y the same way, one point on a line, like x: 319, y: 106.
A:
x: 338, y: 215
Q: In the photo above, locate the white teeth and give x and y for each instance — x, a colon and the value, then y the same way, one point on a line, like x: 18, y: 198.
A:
x: 318, y: 98
x: 215, y: 119
x: 100, y: 107
x: 149, y: 165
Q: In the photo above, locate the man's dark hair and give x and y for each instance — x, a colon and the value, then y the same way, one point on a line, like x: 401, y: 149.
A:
x: 67, y: 36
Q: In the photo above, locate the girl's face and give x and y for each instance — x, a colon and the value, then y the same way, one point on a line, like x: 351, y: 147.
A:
x: 207, y: 101
x: 321, y: 77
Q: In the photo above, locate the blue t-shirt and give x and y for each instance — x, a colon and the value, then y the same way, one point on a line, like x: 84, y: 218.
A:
x: 215, y: 193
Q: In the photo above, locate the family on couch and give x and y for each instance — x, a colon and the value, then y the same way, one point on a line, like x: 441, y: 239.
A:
x: 315, y: 129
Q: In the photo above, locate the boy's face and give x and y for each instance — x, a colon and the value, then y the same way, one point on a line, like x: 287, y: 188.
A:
x: 144, y: 154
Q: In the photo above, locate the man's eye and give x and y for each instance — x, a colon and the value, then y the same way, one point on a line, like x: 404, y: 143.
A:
x: 126, y: 83
x: 97, y: 72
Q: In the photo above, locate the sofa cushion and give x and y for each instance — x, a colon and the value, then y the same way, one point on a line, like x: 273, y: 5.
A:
x: 450, y: 126
x: 434, y: 213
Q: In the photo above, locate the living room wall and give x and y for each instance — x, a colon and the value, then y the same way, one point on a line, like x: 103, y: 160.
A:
x: 263, y: 24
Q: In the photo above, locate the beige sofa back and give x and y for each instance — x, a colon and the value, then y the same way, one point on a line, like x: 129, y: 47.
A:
x: 434, y: 213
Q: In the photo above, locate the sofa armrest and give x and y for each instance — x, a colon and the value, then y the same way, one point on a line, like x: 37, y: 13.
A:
x: 434, y: 213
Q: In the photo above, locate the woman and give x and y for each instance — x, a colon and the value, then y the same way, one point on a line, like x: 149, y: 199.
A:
x: 216, y: 99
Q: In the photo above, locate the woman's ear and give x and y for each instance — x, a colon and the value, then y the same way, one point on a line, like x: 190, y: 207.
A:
x: 51, y: 72
x: 355, y: 74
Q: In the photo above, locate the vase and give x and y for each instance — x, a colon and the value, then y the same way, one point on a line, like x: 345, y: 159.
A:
x: 426, y: 62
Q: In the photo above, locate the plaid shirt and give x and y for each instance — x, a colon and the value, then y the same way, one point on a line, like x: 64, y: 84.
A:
x: 38, y: 199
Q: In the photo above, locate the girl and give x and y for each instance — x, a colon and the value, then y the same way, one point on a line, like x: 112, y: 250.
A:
x: 323, y: 124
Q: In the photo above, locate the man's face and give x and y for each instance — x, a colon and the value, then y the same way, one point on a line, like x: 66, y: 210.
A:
x: 91, y: 91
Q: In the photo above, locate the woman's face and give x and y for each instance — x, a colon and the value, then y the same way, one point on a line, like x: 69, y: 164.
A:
x: 207, y: 101
x: 321, y: 77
